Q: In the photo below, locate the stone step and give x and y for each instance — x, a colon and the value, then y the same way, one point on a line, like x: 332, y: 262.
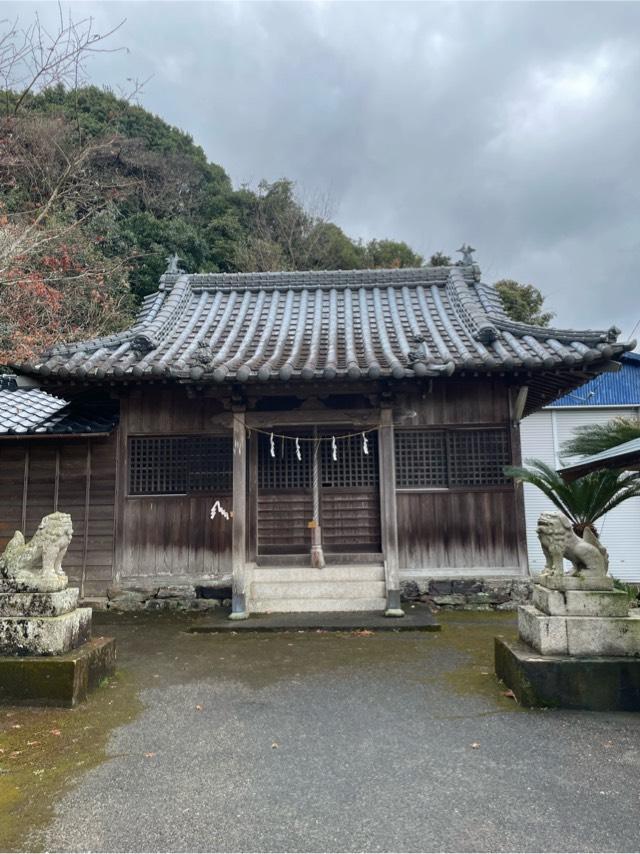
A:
x: 304, y: 559
x: 293, y: 574
x: 286, y: 605
x: 338, y: 590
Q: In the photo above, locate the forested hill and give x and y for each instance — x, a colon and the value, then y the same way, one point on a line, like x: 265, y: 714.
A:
x: 95, y: 193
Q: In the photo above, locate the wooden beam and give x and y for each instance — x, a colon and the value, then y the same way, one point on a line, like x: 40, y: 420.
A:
x: 87, y: 505
x: 25, y: 491
x: 299, y: 417
x: 239, y: 523
x: 388, y: 511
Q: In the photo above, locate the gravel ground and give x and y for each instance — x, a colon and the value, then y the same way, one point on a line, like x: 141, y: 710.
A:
x: 342, y: 742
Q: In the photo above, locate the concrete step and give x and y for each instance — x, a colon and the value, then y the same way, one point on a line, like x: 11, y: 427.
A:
x: 294, y: 574
x: 331, y: 559
x: 285, y: 606
x: 337, y: 590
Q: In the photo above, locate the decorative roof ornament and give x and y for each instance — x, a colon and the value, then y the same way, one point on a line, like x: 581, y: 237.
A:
x: 467, y: 257
x: 173, y: 269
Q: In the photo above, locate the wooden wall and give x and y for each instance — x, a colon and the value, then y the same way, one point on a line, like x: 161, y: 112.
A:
x: 461, y: 528
x: 170, y: 539
x: 75, y: 476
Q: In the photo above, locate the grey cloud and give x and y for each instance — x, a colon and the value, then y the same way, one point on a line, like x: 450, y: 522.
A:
x: 514, y: 126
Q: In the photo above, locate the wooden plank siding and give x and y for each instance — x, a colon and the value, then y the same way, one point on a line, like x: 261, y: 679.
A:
x: 461, y: 528
x: 75, y: 476
x: 170, y: 538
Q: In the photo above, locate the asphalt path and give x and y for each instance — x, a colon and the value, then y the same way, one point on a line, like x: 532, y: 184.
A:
x: 345, y: 742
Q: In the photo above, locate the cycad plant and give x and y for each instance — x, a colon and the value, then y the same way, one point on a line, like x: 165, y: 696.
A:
x: 593, y: 438
x: 584, y: 500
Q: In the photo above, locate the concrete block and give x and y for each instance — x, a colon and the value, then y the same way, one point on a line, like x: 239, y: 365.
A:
x: 603, y: 636
x: 45, y: 635
x: 571, y: 582
x: 38, y: 604
x: 547, y: 635
x: 602, y: 684
x: 61, y: 680
x: 581, y: 603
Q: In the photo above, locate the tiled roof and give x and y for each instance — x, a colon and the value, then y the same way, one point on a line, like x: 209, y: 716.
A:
x: 620, y: 456
x: 33, y: 412
x: 23, y: 410
x: 610, y: 389
x: 251, y: 327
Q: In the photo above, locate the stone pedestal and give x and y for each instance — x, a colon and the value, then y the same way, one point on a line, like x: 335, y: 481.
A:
x: 580, y: 617
x: 579, y: 647
x: 42, y: 623
x: 47, y: 656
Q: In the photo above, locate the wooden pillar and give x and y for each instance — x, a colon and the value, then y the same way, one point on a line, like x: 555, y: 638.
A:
x: 317, y: 552
x: 388, y: 511
x: 239, y: 521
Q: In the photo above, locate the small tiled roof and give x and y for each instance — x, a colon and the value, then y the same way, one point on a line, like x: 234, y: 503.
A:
x: 401, y: 323
x: 22, y: 410
x: 621, y: 456
x: 621, y: 388
x: 31, y: 411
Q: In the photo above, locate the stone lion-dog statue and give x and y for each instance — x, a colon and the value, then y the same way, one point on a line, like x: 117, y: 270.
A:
x: 37, y: 565
x: 589, y: 557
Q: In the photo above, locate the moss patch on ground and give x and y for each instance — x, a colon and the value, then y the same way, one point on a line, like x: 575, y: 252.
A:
x: 43, y: 751
x: 471, y: 634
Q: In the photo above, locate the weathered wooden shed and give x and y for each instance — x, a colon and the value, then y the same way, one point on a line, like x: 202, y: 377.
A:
x: 354, y: 426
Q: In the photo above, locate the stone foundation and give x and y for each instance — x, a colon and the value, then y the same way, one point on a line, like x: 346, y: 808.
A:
x: 60, y: 680
x: 471, y: 594
x: 174, y: 597
x: 598, y: 684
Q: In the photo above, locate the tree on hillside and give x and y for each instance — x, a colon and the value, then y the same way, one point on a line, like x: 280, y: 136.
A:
x: 55, y: 280
x: 523, y: 303
x: 391, y: 253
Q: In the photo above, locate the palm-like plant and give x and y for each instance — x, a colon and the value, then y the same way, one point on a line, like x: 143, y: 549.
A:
x: 593, y: 438
x: 584, y: 500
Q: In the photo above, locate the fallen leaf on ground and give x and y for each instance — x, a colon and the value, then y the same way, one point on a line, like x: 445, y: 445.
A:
x: 509, y: 693
x: 149, y: 755
x: 32, y: 743
x: 363, y: 633
x: 55, y: 732
x: 16, y: 753
x: 275, y: 745
x: 16, y: 726
x: 198, y: 707
x: 475, y: 745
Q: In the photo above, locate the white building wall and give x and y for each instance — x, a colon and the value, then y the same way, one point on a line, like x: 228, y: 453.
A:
x: 542, y: 435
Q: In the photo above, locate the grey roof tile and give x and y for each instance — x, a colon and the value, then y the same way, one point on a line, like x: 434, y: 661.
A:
x: 252, y: 327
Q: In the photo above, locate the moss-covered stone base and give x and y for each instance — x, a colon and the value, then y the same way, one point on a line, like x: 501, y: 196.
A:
x: 600, y: 684
x: 61, y: 680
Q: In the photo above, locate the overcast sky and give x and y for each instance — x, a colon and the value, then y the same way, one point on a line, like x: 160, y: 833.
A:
x: 512, y: 126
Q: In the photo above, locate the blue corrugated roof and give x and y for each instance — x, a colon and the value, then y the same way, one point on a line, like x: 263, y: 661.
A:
x: 620, y: 389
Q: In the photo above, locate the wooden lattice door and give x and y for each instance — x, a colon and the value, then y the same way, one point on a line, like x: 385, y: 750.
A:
x: 285, y: 499
x: 350, y: 495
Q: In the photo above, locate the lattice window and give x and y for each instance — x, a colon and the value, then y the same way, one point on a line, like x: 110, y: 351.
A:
x: 421, y: 459
x: 284, y: 470
x: 210, y: 463
x: 451, y: 458
x: 352, y: 467
x: 478, y: 457
x: 176, y: 465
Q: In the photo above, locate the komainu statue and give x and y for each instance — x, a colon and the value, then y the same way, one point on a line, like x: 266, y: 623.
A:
x: 558, y: 540
x: 37, y: 565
